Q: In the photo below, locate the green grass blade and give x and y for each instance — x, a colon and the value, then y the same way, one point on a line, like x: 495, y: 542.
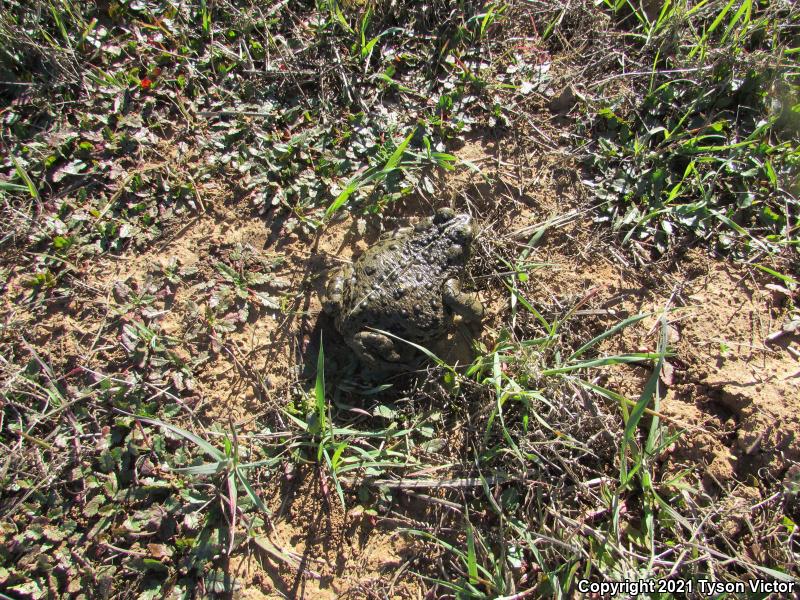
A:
x: 198, y: 441
x: 23, y: 174
x: 472, y: 560
x: 438, y: 541
x: 603, y: 362
x: 655, y: 430
x: 319, y: 387
x: 13, y: 187
x: 744, y: 8
x: 336, y: 483
x: 608, y: 333
x: 352, y: 186
x: 337, y: 455
x: 251, y: 492
x: 422, y: 349
x: 397, y: 155
x: 739, y: 229
x: 701, y: 45
x: 784, y: 278
x: 651, y: 389
x: 204, y: 469
x: 550, y: 328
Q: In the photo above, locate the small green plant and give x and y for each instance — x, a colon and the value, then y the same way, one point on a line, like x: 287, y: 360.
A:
x: 364, y: 47
x: 494, y: 13
x: 243, y: 283
x: 225, y: 463
x: 706, y: 155
x: 483, y: 575
x: 372, y: 174
x: 400, y: 161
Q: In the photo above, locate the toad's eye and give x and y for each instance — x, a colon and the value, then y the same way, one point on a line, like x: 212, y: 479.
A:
x: 460, y: 234
x: 454, y: 251
x: 443, y: 215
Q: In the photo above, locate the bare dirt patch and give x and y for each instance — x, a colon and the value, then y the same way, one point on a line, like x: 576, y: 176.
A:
x: 736, y: 392
x: 328, y: 553
x: 733, y: 372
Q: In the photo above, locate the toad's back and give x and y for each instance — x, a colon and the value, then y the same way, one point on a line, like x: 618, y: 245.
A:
x: 408, y: 285
x: 396, y: 285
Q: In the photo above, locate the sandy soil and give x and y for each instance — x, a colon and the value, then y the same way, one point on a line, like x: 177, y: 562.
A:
x: 731, y: 385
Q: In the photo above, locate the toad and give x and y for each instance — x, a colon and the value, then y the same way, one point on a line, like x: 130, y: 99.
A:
x: 409, y: 285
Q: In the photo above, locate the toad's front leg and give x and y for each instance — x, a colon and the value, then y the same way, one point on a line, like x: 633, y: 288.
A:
x: 463, y: 303
x: 334, y: 292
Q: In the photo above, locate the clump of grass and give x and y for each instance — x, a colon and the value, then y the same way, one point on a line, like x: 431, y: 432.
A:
x: 705, y: 146
x: 82, y: 478
x: 562, y: 479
